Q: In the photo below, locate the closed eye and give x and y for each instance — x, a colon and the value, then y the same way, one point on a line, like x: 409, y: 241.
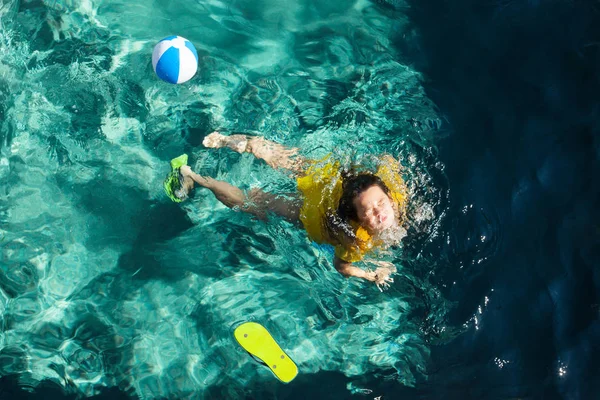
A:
x: 371, y: 210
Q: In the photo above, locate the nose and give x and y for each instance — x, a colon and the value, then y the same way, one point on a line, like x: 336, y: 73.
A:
x: 379, y: 215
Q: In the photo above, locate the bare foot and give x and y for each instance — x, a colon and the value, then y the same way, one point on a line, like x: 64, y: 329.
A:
x: 186, y: 182
x: 185, y: 170
x: 216, y: 140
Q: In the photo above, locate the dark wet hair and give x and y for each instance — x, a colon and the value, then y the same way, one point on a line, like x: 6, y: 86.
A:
x: 338, y: 222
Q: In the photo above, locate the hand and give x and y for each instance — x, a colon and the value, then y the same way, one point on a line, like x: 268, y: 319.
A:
x: 370, y: 276
x: 383, y: 278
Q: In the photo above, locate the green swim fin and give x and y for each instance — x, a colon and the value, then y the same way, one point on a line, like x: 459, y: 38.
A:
x: 173, y: 181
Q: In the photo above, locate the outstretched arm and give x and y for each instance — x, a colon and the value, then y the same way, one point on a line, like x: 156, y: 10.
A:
x: 347, y: 269
x: 381, y: 276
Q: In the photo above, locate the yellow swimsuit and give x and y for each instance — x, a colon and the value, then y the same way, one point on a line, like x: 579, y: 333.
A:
x: 321, y: 186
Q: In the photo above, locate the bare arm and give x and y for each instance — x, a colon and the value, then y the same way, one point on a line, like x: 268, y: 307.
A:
x: 381, y: 276
x: 347, y: 269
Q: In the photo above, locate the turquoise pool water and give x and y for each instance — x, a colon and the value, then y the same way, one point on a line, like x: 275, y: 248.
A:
x: 105, y: 283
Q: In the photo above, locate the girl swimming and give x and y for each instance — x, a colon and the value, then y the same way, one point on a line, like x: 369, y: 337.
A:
x: 356, y: 212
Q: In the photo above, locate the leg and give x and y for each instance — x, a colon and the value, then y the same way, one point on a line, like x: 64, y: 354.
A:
x: 274, y: 154
x: 257, y: 202
x: 260, y: 202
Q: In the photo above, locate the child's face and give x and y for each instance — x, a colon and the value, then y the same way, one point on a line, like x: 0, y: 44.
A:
x: 374, y: 209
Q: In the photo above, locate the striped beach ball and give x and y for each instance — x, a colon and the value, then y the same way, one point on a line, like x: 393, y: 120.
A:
x: 175, y: 59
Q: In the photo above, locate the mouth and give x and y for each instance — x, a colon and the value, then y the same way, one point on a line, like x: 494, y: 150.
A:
x: 383, y: 223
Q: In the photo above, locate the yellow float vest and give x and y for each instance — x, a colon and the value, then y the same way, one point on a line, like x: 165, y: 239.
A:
x: 321, y: 186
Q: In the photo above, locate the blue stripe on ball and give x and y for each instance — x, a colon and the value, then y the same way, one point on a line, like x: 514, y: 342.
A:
x: 167, y: 67
x: 169, y: 38
x: 190, y: 46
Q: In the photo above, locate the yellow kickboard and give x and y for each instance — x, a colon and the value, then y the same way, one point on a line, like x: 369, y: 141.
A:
x: 256, y: 340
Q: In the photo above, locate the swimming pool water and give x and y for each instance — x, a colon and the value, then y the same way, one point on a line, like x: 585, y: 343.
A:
x: 106, y: 286
x: 104, y: 282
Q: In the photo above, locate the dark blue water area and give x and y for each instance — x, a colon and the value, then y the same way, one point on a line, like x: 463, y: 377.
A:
x: 518, y: 83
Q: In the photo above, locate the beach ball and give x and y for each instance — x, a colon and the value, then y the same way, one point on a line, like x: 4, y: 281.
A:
x: 175, y: 59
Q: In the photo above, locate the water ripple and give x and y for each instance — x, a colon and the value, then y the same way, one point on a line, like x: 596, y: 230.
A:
x: 105, y: 284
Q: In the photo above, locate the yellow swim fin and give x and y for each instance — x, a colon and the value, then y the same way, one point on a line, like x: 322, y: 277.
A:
x: 257, y: 341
